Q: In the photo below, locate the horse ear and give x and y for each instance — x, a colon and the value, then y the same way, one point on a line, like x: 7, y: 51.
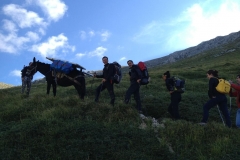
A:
x: 34, y: 59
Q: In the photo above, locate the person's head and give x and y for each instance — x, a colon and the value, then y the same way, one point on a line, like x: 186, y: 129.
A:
x: 105, y: 59
x: 130, y: 63
x: 238, y: 79
x: 212, y: 73
x: 30, y: 63
x: 166, y: 75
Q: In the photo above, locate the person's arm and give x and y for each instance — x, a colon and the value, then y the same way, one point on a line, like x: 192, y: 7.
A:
x: 213, y: 82
x: 235, y: 86
x: 139, y: 74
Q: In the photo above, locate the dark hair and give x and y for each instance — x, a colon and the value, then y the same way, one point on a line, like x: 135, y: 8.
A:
x: 167, y: 74
x: 104, y: 57
x: 238, y: 76
x: 129, y: 61
x: 213, y: 72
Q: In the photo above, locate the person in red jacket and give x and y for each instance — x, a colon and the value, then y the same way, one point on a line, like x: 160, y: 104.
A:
x: 236, y: 93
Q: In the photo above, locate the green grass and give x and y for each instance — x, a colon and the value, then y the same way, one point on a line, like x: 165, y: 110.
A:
x: 65, y: 127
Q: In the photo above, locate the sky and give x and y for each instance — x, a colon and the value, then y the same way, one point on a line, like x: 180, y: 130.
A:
x: 83, y: 31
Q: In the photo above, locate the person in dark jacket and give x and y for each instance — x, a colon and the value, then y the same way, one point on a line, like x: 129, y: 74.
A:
x: 216, y: 98
x: 135, y: 78
x: 107, y: 80
x: 27, y: 76
x: 176, y: 97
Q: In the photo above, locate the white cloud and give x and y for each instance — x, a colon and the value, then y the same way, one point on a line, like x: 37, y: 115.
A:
x: 80, y: 55
x: 98, y: 52
x: 91, y: 33
x: 105, y: 35
x: 22, y: 17
x: 55, y: 9
x: 151, y: 33
x: 122, y: 59
x: 11, y: 42
x: 16, y: 73
x: 204, y: 24
x: 33, y: 36
x: 9, y: 26
x: 200, y: 22
x: 54, y: 44
x: 83, y: 35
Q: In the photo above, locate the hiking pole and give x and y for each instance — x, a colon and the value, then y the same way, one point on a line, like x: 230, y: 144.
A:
x: 221, y: 115
x: 94, y: 74
x: 230, y: 106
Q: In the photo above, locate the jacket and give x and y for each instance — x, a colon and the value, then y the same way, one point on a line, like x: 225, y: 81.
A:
x: 236, y: 93
x: 212, y: 84
x: 135, y: 73
x: 108, y: 72
x: 169, y: 84
x: 28, y: 71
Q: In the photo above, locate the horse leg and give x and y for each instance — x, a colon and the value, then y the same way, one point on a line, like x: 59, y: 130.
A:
x: 54, y: 85
x: 82, y: 88
x: 78, y: 88
x: 48, y: 87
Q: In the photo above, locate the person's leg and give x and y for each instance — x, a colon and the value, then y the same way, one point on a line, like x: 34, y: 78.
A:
x: 238, y: 118
x: 211, y: 103
x: 23, y: 85
x: 170, y: 110
x: 111, y: 92
x: 137, y: 97
x: 28, y: 85
x: 129, y: 92
x: 175, y: 99
x: 223, y: 107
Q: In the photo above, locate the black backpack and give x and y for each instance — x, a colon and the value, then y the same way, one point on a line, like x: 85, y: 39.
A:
x: 179, y: 84
x: 118, y: 73
x: 144, y: 71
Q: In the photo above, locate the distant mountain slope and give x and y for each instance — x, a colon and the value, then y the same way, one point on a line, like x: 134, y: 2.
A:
x: 217, y: 42
x: 4, y: 85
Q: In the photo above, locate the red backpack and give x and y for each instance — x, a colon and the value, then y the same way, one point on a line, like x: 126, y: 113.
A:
x: 144, y: 71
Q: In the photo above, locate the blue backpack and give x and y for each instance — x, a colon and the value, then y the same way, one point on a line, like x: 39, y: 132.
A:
x: 179, y: 84
x: 61, y: 66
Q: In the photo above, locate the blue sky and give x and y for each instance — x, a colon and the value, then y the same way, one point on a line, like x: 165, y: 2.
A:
x: 83, y: 31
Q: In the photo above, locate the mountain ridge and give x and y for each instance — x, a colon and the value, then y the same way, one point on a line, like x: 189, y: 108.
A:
x: 200, y: 48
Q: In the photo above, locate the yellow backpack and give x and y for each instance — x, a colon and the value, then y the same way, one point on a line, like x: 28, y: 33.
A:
x: 223, y: 86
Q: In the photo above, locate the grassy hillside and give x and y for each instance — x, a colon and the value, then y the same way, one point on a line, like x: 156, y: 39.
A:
x: 65, y: 127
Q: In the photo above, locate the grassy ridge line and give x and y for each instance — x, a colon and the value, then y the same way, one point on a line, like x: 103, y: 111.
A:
x: 64, y: 127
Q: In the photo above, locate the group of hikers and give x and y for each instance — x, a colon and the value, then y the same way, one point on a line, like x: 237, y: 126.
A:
x: 215, y: 97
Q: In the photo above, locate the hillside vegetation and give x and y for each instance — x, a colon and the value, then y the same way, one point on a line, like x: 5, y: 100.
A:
x: 65, y: 127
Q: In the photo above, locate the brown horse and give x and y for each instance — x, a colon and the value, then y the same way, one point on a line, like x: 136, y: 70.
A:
x: 75, y: 78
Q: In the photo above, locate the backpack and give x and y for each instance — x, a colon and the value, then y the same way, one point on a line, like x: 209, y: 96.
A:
x: 118, y: 73
x: 223, y: 86
x: 144, y: 71
x: 61, y: 66
x: 179, y: 84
